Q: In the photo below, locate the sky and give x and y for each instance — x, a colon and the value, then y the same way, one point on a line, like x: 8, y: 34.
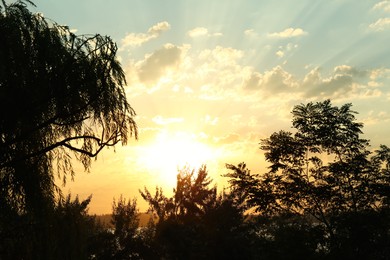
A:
x: 209, y: 79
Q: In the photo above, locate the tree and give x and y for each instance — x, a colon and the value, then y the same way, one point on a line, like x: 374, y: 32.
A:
x: 196, y: 223
x: 125, y: 240
x: 66, y: 232
x: 323, y: 172
x: 192, y: 196
x: 62, y: 96
x: 324, y: 168
x: 73, y: 229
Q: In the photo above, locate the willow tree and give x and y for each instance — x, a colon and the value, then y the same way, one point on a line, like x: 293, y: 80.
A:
x: 62, y: 97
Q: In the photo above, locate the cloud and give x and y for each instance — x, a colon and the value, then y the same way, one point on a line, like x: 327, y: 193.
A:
x: 343, y: 82
x: 277, y: 80
x: 375, y: 118
x: 201, y: 31
x: 283, y: 50
x: 159, y: 28
x: 137, y: 39
x: 377, y: 76
x: 380, y: 25
x: 156, y: 64
x: 272, y: 82
x: 252, y: 82
x: 221, y: 55
x: 280, y: 54
x: 348, y: 70
x: 380, y: 73
x: 198, y: 31
x: 384, y: 5
x: 288, y: 33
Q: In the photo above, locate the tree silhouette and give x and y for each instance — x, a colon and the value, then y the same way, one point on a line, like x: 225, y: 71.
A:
x: 61, y: 97
x: 192, y: 195
x: 325, y: 173
x: 66, y: 232
x: 126, y: 240
x: 196, y: 223
x: 73, y: 229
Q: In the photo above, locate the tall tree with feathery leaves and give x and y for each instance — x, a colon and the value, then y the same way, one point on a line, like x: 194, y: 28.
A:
x: 62, y: 96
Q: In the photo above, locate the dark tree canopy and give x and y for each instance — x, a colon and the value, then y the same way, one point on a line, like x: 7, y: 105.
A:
x: 192, y: 196
x: 61, y: 96
x: 325, y: 174
x: 196, y: 223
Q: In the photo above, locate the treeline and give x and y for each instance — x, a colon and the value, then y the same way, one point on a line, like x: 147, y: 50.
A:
x: 325, y: 196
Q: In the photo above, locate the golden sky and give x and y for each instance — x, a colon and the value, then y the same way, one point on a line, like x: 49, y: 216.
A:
x: 209, y: 79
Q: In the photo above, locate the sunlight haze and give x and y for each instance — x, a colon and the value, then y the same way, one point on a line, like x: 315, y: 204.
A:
x: 209, y: 79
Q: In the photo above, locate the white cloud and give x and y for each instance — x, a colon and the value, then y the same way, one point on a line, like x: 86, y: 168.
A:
x: 221, y: 54
x: 288, y: 33
x: 344, y: 82
x: 271, y: 82
x: 280, y: 54
x: 201, y: 31
x: 278, y: 80
x: 380, y: 25
x: 348, y: 70
x: 314, y: 85
x: 155, y: 65
x: 383, y: 5
x: 379, y: 73
x: 253, y: 81
x: 198, y: 31
x: 137, y: 39
x: 159, y: 28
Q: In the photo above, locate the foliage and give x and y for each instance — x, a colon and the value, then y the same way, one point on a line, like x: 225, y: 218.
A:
x: 191, y: 197
x: 324, y: 173
x: 196, y: 223
x: 61, y: 96
x: 126, y: 240
x: 65, y: 232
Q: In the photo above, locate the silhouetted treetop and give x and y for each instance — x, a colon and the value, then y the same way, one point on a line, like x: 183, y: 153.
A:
x: 60, y: 95
x: 325, y: 174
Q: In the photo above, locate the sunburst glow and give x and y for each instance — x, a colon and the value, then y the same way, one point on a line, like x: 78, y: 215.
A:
x: 210, y: 79
x: 172, y: 151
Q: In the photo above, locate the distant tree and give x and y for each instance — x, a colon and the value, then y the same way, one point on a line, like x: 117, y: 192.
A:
x: 124, y: 218
x: 160, y: 206
x: 61, y: 97
x: 196, y: 223
x: 322, y: 172
x: 126, y: 222
x: 192, y: 195
x: 125, y: 240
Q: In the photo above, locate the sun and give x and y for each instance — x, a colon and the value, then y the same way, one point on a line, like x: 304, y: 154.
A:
x: 172, y: 151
